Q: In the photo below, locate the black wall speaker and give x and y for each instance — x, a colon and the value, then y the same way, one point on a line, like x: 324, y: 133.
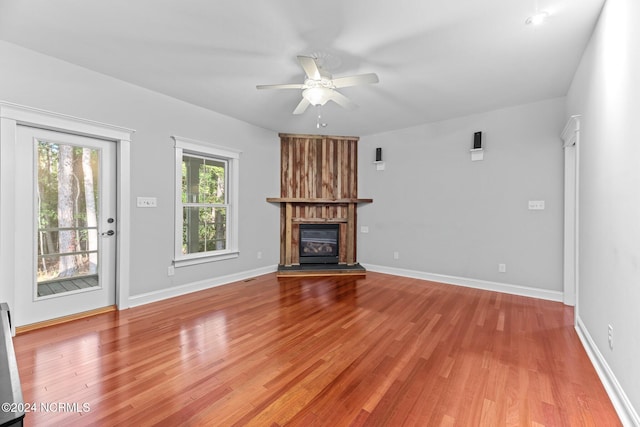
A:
x: 477, y: 140
x: 378, y: 154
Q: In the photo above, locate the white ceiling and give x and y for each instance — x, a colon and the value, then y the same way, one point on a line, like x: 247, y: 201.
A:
x: 436, y: 59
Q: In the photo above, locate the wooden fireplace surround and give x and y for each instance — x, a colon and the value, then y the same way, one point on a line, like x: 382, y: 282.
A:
x: 318, y: 184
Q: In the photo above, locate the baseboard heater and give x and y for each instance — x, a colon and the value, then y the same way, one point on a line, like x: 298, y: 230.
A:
x: 12, y: 413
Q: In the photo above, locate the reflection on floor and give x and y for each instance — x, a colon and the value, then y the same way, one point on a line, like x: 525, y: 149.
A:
x: 66, y: 285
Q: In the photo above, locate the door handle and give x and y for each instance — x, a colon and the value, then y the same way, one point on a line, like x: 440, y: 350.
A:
x: 108, y: 233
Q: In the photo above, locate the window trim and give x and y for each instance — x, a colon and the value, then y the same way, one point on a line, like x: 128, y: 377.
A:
x: 232, y: 157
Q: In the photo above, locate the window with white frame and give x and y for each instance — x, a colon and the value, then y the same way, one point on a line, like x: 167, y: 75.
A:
x: 206, y: 202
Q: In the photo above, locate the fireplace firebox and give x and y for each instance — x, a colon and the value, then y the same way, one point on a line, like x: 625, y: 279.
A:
x: 319, y: 243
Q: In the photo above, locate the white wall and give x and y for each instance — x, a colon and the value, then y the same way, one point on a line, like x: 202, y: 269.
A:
x: 606, y: 92
x: 36, y: 80
x: 447, y: 215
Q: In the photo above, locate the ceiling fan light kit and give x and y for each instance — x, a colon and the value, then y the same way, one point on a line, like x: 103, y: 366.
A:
x: 319, y: 87
x: 317, y: 95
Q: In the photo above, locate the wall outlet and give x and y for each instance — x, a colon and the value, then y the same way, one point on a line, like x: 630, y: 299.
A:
x: 171, y: 270
x: 364, y: 229
x: 396, y: 255
x: 610, y: 336
x: 502, y: 268
x: 259, y: 255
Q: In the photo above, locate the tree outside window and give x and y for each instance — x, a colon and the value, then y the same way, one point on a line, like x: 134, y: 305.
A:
x: 67, y: 211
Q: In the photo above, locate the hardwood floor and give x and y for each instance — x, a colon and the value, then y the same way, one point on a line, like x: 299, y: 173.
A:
x: 325, y: 351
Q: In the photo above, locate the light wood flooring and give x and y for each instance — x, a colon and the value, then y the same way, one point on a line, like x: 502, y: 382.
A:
x: 325, y: 351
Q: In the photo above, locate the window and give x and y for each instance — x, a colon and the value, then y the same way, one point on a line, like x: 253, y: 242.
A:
x: 206, y: 202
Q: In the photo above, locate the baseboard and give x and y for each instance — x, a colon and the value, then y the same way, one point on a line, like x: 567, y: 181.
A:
x: 470, y: 283
x: 64, y: 319
x: 624, y: 408
x: 149, y: 297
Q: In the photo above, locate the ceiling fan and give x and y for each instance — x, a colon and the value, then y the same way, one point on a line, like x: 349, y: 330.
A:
x: 319, y: 86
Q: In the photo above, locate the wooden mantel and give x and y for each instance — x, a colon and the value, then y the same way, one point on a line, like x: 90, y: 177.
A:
x: 316, y: 201
x: 318, y: 184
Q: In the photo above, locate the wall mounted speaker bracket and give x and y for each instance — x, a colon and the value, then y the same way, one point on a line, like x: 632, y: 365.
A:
x: 378, y: 162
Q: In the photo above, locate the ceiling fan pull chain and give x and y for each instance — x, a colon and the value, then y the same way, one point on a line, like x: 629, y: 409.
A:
x: 319, y: 123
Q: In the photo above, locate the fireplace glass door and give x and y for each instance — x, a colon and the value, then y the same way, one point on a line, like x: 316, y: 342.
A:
x: 319, y: 243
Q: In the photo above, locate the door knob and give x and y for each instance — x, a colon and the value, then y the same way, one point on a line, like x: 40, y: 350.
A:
x: 109, y: 233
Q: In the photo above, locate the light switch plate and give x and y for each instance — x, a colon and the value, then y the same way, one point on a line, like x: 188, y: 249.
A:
x: 536, y: 205
x: 147, y: 202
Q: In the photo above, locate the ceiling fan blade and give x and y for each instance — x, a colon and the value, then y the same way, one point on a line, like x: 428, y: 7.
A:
x: 342, y: 100
x: 310, y: 67
x: 282, y: 86
x: 302, y: 106
x: 359, y: 79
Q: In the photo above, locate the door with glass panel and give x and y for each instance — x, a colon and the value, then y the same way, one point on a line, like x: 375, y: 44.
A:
x: 66, y: 224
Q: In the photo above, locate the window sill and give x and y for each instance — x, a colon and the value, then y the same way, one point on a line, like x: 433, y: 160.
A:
x: 201, y: 259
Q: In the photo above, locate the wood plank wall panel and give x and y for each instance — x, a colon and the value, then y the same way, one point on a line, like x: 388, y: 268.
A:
x: 343, y: 244
x: 318, y: 167
x: 295, y: 243
x: 283, y: 241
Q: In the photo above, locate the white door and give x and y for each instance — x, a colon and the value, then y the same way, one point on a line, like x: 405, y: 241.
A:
x: 571, y: 144
x: 65, y: 224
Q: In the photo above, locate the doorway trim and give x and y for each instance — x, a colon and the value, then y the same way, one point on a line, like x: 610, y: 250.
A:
x: 571, y: 138
x: 12, y: 115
